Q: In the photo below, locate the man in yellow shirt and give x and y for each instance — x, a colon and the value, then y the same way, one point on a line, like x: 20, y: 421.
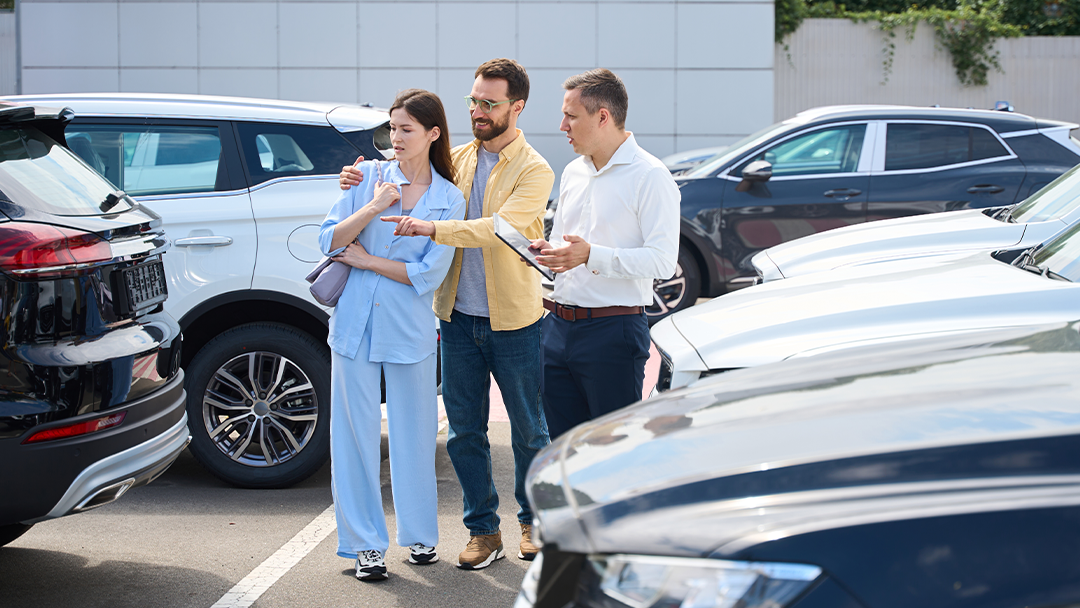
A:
x: 490, y: 304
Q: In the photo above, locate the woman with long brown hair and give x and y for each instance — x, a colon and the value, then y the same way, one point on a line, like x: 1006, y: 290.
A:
x: 384, y: 325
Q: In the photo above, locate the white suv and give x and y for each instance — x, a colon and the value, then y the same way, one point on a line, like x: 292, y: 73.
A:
x: 242, y: 186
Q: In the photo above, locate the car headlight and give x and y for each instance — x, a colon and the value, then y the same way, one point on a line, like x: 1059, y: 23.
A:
x: 640, y: 581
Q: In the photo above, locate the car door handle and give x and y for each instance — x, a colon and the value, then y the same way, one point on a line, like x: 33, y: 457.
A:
x: 843, y: 193
x: 985, y: 189
x: 212, y: 241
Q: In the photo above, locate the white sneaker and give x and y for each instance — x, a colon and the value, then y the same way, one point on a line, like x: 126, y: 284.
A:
x: 370, y: 566
x: 422, y: 555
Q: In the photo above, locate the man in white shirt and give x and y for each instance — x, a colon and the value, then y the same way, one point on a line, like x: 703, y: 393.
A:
x: 616, y: 230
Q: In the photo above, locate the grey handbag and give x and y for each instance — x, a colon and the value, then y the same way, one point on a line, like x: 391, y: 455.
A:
x: 328, y: 281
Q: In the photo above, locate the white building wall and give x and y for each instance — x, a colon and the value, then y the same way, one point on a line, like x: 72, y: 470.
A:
x: 8, y: 61
x: 835, y: 61
x: 699, y: 73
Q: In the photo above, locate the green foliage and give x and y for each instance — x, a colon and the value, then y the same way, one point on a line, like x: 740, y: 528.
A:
x: 7, y: 5
x: 1044, y: 17
x: 789, y: 16
x: 967, y: 29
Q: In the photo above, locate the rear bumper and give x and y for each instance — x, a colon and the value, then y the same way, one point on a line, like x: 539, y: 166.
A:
x: 109, y: 479
x: 56, y: 478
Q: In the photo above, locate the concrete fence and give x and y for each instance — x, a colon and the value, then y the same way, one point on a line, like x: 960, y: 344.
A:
x: 835, y: 61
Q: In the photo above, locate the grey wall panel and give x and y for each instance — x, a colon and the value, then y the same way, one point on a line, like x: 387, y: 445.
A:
x: 698, y: 73
x: 8, y: 47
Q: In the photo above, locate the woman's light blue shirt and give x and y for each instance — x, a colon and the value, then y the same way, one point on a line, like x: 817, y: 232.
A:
x: 402, y: 321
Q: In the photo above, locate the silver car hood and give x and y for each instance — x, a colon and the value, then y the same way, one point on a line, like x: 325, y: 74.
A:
x: 871, y: 304
x: 931, y: 234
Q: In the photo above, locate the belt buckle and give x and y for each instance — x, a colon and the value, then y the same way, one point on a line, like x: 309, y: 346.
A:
x: 567, y: 313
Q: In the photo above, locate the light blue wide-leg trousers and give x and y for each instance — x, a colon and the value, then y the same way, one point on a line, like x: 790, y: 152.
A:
x: 355, y: 434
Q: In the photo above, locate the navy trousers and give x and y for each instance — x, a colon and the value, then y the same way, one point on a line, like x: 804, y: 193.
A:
x: 591, y: 367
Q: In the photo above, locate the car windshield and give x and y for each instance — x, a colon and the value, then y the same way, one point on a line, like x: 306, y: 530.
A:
x: 737, y: 149
x: 1053, y: 202
x: 40, y: 174
x: 1061, y: 254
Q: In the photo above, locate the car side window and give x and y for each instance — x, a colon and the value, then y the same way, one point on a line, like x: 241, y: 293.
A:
x: 145, y: 160
x: 923, y: 146
x: 276, y: 150
x: 822, y: 151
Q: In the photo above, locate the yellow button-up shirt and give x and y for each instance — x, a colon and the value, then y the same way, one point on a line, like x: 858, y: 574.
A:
x: 518, y: 191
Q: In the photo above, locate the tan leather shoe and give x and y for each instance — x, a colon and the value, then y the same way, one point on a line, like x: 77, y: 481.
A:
x: 481, y: 551
x: 527, y: 550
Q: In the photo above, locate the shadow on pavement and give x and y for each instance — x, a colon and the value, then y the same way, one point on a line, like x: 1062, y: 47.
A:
x: 36, y: 578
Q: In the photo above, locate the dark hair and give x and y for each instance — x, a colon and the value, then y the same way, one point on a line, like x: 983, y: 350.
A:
x: 601, y: 88
x: 426, y: 108
x: 517, y: 79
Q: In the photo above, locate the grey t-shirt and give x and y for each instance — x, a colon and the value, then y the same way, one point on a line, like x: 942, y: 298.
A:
x: 472, y: 284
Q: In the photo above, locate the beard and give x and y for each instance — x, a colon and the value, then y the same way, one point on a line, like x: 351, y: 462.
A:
x: 494, y: 129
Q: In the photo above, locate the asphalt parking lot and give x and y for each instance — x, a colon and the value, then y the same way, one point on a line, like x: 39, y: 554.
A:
x: 190, y: 540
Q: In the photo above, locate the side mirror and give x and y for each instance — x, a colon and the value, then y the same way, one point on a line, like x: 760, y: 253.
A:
x: 757, y: 171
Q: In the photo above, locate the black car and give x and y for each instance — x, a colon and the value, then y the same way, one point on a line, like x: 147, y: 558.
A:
x: 91, y: 392
x: 939, y: 473
x: 837, y: 166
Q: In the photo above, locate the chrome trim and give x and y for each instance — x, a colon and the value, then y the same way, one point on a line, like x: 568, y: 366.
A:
x: 122, y: 465
x: 196, y: 241
x: 139, y: 247
x: 972, y: 163
x: 123, y: 257
x: 726, y: 173
x: 293, y: 178
x: 768, y: 518
x: 1012, y: 134
x: 776, y: 570
x: 144, y: 198
x: 62, y: 268
x: 117, y: 489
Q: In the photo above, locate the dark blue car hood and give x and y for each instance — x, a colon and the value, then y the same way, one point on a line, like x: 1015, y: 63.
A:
x: 934, y: 427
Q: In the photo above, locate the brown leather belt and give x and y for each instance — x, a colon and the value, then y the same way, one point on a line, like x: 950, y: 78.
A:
x: 576, y: 313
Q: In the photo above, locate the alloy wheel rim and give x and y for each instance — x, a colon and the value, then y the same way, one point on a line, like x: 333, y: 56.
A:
x: 260, y: 409
x: 668, y: 294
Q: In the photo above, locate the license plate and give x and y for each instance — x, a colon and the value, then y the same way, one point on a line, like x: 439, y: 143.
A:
x: 145, y: 285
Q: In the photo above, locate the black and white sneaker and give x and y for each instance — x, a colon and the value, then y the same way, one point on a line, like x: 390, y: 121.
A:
x: 370, y: 566
x: 422, y: 555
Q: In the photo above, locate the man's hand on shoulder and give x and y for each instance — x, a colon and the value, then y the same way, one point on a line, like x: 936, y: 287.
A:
x: 351, y: 175
x: 560, y: 259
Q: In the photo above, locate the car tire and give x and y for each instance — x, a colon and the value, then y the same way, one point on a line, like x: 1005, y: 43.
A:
x: 276, y: 432
x: 678, y: 292
x: 10, y: 532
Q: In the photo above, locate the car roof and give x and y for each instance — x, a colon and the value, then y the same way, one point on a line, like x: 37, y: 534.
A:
x: 1002, y: 122
x: 344, y: 117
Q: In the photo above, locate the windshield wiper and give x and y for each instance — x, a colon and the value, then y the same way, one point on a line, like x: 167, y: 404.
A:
x: 1024, y: 262
x: 1004, y: 215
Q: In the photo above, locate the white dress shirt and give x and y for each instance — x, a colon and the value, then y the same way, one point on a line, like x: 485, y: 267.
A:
x: 628, y: 211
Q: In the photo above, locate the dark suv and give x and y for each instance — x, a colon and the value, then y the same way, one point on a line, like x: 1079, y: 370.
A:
x: 843, y: 165
x: 91, y: 392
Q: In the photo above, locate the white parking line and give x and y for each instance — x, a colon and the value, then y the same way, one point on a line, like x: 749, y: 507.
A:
x: 244, y: 593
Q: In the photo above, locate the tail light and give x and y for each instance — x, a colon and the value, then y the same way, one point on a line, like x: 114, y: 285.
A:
x: 44, y: 251
x: 74, y: 430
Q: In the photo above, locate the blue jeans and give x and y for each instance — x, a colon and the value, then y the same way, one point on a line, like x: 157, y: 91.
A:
x: 471, y: 354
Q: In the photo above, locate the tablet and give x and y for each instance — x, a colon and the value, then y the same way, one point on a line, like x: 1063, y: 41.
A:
x: 517, y: 241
